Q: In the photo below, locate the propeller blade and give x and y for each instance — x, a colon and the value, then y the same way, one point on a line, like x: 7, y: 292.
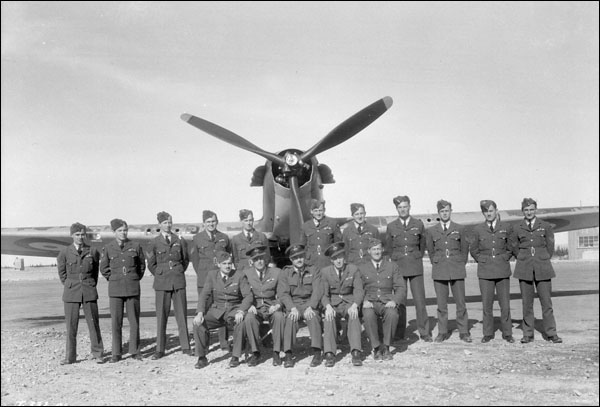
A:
x: 229, y: 137
x: 349, y: 127
x: 296, y: 218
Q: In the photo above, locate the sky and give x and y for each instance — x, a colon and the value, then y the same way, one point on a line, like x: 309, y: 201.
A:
x: 491, y: 101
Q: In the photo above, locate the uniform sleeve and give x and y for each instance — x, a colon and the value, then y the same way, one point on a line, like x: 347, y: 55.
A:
x: 185, y: 256
x: 61, y: 264
x: 317, y: 293
x: 387, y: 246
x: 206, y: 292
x: 399, y: 286
x: 358, y: 290
x: 246, y: 290
x: 429, y: 244
x: 105, y: 263
x: 228, y: 247
x: 151, y: 257
x: 326, y: 294
x: 422, y: 242
x: 464, y: 244
x: 509, y: 231
x: 95, y: 263
x: 193, y: 253
x: 474, y: 247
x: 141, y: 266
x: 337, y: 232
x: 549, y: 239
x: 283, y: 290
x: 513, y: 241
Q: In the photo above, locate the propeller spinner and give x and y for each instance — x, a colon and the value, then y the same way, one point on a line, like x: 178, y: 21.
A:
x: 293, y: 163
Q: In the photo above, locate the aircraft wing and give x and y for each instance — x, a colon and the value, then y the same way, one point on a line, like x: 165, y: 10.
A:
x: 48, y: 241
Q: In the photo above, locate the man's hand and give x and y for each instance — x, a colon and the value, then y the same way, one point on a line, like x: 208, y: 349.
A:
x: 274, y: 308
x: 308, y: 313
x: 367, y: 304
x: 391, y: 304
x: 329, y: 313
x: 353, y: 311
x: 252, y: 310
x: 239, y: 317
x: 198, y: 319
x: 293, y: 314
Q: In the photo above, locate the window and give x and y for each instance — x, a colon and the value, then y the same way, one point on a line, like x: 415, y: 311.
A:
x: 588, y: 241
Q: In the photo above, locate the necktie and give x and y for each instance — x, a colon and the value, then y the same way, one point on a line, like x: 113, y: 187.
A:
x: 360, y: 228
x: 249, y: 236
x: 260, y: 275
x: 224, y: 278
x: 377, y: 267
x: 318, y: 224
x: 492, y: 227
x: 445, y: 228
x: 530, y: 224
x: 212, y: 236
x: 79, y: 250
x: 340, y: 274
x: 168, y: 239
x: 404, y: 223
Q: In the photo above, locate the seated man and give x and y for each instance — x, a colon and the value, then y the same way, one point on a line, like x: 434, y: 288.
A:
x: 385, y: 290
x: 230, y: 299
x: 266, y: 307
x: 299, y: 290
x: 342, y: 293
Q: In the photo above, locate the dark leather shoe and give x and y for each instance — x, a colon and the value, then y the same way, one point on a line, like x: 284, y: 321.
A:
x: 138, y: 356
x: 317, y: 359
x: 527, y: 339
x: 115, y: 359
x: 441, y: 338
x: 157, y: 355
x: 554, y: 339
x: 378, y: 353
x: 466, y: 338
x: 276, y: 359
x: 234, y: 362
x: 356, y: 358
x: 66, y: 362
x: 201, y: 363
x: 329, y: 359
x: 187, y: 352
x: 426, y: 338
x: 387, y: 355
x: 289, y: 360
x: 253, y: 360
x: 98, y: 359
x: 509, y: 339
x: 486, y: 338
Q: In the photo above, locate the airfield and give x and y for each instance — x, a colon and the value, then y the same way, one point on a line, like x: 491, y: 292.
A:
x: 450, y: 373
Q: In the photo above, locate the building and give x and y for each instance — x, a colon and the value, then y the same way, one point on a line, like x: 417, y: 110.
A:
x: 583, y: 244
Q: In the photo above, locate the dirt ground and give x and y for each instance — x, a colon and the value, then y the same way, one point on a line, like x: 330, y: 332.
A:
x: 450, y: 373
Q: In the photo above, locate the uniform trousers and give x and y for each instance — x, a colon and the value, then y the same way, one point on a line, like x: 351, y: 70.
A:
x: 291, y: 329
x: 90, y: 310
x: 389, y: 318
x: 163, y: 308
x: 330, y: 330
x: 488, y: 287
x: 202, y: 334
x: 223, y: 337
x: 252, y: 328
x: 544, y: 291
x: 442, y: 292
x: 417, y: 288
x: 117, y: 304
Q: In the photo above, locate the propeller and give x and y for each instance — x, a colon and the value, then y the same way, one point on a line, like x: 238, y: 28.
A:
x: 344, y: 131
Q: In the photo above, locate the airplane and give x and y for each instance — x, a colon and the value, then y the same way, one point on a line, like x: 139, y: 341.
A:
x: 290, y: 179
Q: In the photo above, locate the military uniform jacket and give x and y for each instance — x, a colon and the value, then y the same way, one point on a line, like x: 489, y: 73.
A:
x: 225, y: 297
x: 297, y: 288
x: 203, y: 253
x: 78, y: 273
x: 492, y: 250
x: 167, y: 263
x: 406, y: 245
x: 240, y: 245
x: 317, y: 239
x: 448, y: 251
x: 357, y: 243
x: 348, y: 289
x: 123, y: 268
x: 264, y: 292
x: 533, y: 250
x: 385, y: 285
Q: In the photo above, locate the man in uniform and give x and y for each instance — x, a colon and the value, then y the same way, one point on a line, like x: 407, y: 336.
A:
x: 448, y: 249
x: 203, y: 254
x: 342, y: 294
x: 78, y: 272
x: 224, y: 300
x: 357, y: 234
x: 299, y: 289
x: 241, y: 243
x: 167, y: 257
x: 492, y: 251
x: 266, y: 307
x: 317, y: 234
x: 385, y: 290
x: 123, y: 264
x: 533, y: 246
x: 405, y: 242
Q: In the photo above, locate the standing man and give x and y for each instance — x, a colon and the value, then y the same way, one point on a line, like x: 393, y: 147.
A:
x: 492, y: 251
x: 266, y: 306
x: 168, y: 259
x: 224, y: 300
x: 448, y: 251
x: 342, y: 294
x: 406, y: 243
x: 203, y: 254
x: 241, y: 243
x: 385, y: 290
x: 317, y: 234
x: 533, y: 246
x: 78, y: 271
x: 123, y: 264
x: 300, y: 291
x: 357, y: 234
